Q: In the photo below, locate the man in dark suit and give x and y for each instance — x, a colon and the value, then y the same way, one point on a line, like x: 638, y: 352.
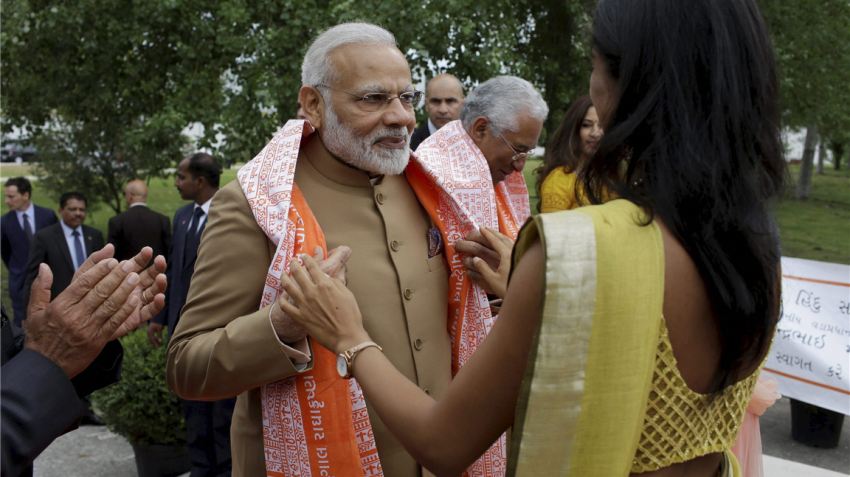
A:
x: 443, y: 102
x: 207, y: 423
x: 17, y: 227
x: 139, y: 226
x: 71, y: 350
x: 64, y: 247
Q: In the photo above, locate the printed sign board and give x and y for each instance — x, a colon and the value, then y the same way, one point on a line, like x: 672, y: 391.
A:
x: 811, y: 350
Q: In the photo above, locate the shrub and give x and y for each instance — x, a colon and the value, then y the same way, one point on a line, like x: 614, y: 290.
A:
x: 141, y: 407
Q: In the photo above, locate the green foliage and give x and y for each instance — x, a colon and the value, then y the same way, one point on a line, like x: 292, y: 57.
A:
x: 141, y: 407
x: 107, y: 86
x: 812, y: 43
x: 538, y: 40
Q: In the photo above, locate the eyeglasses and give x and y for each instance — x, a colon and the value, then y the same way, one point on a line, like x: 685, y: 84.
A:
x: 373, y: 102
x: 517, y: 155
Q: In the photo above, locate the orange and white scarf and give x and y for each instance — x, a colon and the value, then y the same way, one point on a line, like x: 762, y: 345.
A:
x: 316, y: 423
x: 452, y: 180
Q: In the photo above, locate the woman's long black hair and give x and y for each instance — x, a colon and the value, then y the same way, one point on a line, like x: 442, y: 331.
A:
x: 695, y: 140
x: 565, y: 148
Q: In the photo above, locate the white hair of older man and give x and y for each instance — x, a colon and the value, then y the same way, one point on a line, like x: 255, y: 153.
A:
x: 502, y: 100
x: 317, y: 67
x: 356, y: 150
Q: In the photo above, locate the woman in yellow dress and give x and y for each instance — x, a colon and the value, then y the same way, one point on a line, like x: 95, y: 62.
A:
x: 632, y: 332
x: 572, y: 145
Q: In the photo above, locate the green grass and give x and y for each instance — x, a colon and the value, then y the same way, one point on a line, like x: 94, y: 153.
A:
x: 816, y: 229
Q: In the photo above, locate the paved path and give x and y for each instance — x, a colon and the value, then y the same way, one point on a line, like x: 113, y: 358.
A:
x: 96, y: 452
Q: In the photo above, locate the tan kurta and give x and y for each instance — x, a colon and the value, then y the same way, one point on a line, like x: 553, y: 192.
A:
x: 223, y: 346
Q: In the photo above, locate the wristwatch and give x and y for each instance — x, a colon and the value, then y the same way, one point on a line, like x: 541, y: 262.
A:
x: 345, y: 360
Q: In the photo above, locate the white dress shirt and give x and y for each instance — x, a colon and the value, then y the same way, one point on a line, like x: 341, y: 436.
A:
x: 431, y: 127
x: 69, y: 238
x: 206, y: 208
x: 30, y: 217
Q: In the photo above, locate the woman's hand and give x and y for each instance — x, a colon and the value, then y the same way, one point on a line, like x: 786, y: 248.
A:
x: 494, y: 282
x: 323, y: 306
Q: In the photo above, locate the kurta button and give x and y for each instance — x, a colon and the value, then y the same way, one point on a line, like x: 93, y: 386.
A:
x: 428, y: 392
x: 417, y: 343
x: 380, y: 198
x: 407, y: 293
x: 394, y: 246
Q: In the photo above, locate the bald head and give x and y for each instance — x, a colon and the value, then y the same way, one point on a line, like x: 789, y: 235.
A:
x: 443, y: 99
x: 136, y: 192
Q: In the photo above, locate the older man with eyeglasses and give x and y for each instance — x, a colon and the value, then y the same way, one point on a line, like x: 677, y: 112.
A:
x: 338, y: 187
x: 485, y: 151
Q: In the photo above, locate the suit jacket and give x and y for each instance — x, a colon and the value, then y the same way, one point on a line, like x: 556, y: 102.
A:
x: 49, y: 246
x: 139, y: 227
x: 419, y: 134
x: 225, y: 345
x: 16, y: 249
x: 39, y: 403
x: 177, y: 270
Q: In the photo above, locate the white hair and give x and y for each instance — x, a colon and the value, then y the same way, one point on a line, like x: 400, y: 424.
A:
x: 317, y: 67
x: 502, y: 100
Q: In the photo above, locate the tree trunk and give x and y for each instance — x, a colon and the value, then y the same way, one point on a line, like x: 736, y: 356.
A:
x: 821, y: 154
x: 804, y: 181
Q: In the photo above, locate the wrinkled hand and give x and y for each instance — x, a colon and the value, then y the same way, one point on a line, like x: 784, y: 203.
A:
x: 334, y: 266
x: 73, y: 329
x: 489, y: 261
x: 323, y: 306
x: 152, y: 283
x: 155, y: 334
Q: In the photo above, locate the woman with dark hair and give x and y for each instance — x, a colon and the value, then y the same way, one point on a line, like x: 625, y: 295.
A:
x: 632, y: 332
x: 571, y: 146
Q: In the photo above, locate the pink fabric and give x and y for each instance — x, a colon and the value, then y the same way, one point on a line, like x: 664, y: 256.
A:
x: 747, y: 447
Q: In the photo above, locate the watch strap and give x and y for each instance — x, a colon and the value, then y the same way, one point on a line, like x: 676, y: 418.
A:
x: 352, y: 353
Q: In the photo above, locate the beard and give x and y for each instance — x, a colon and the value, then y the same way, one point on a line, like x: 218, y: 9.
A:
x: 357, y: 150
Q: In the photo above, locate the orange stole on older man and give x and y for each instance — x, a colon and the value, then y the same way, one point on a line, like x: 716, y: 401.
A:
x: 452, y: 180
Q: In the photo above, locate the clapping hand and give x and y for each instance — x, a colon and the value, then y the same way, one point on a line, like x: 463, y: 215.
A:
x: 102, y: 303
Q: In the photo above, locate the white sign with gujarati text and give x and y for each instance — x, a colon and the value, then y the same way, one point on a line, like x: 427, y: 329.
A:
x: 811, y: 350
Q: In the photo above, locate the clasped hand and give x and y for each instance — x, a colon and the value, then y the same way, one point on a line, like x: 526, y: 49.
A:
x: 488, y: 263
x: 323, y: 306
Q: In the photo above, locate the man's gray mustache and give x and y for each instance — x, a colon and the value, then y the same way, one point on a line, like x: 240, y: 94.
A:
x: 385, y: 134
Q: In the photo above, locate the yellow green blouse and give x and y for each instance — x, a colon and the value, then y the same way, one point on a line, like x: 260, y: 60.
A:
x: 602, y: 395
x: 558, y: 191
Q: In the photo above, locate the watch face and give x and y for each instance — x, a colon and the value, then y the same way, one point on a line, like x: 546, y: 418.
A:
x: 341, y: 366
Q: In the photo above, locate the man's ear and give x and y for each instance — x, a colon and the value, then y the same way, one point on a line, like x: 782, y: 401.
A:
x: 480, y: 129
x: 313, y: 105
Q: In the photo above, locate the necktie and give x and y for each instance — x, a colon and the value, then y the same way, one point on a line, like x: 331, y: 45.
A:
x: 78, y: 250
x: 27, y: 228
x: 193, y: 238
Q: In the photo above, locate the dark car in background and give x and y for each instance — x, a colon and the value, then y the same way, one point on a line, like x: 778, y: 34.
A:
x: 15, y: 152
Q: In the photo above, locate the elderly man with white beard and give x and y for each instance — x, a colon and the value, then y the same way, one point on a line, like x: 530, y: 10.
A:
x: 333, y: 186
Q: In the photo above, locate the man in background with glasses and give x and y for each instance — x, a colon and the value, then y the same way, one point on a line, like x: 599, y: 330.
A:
x: 499, y: 126
x: 336, y: 179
